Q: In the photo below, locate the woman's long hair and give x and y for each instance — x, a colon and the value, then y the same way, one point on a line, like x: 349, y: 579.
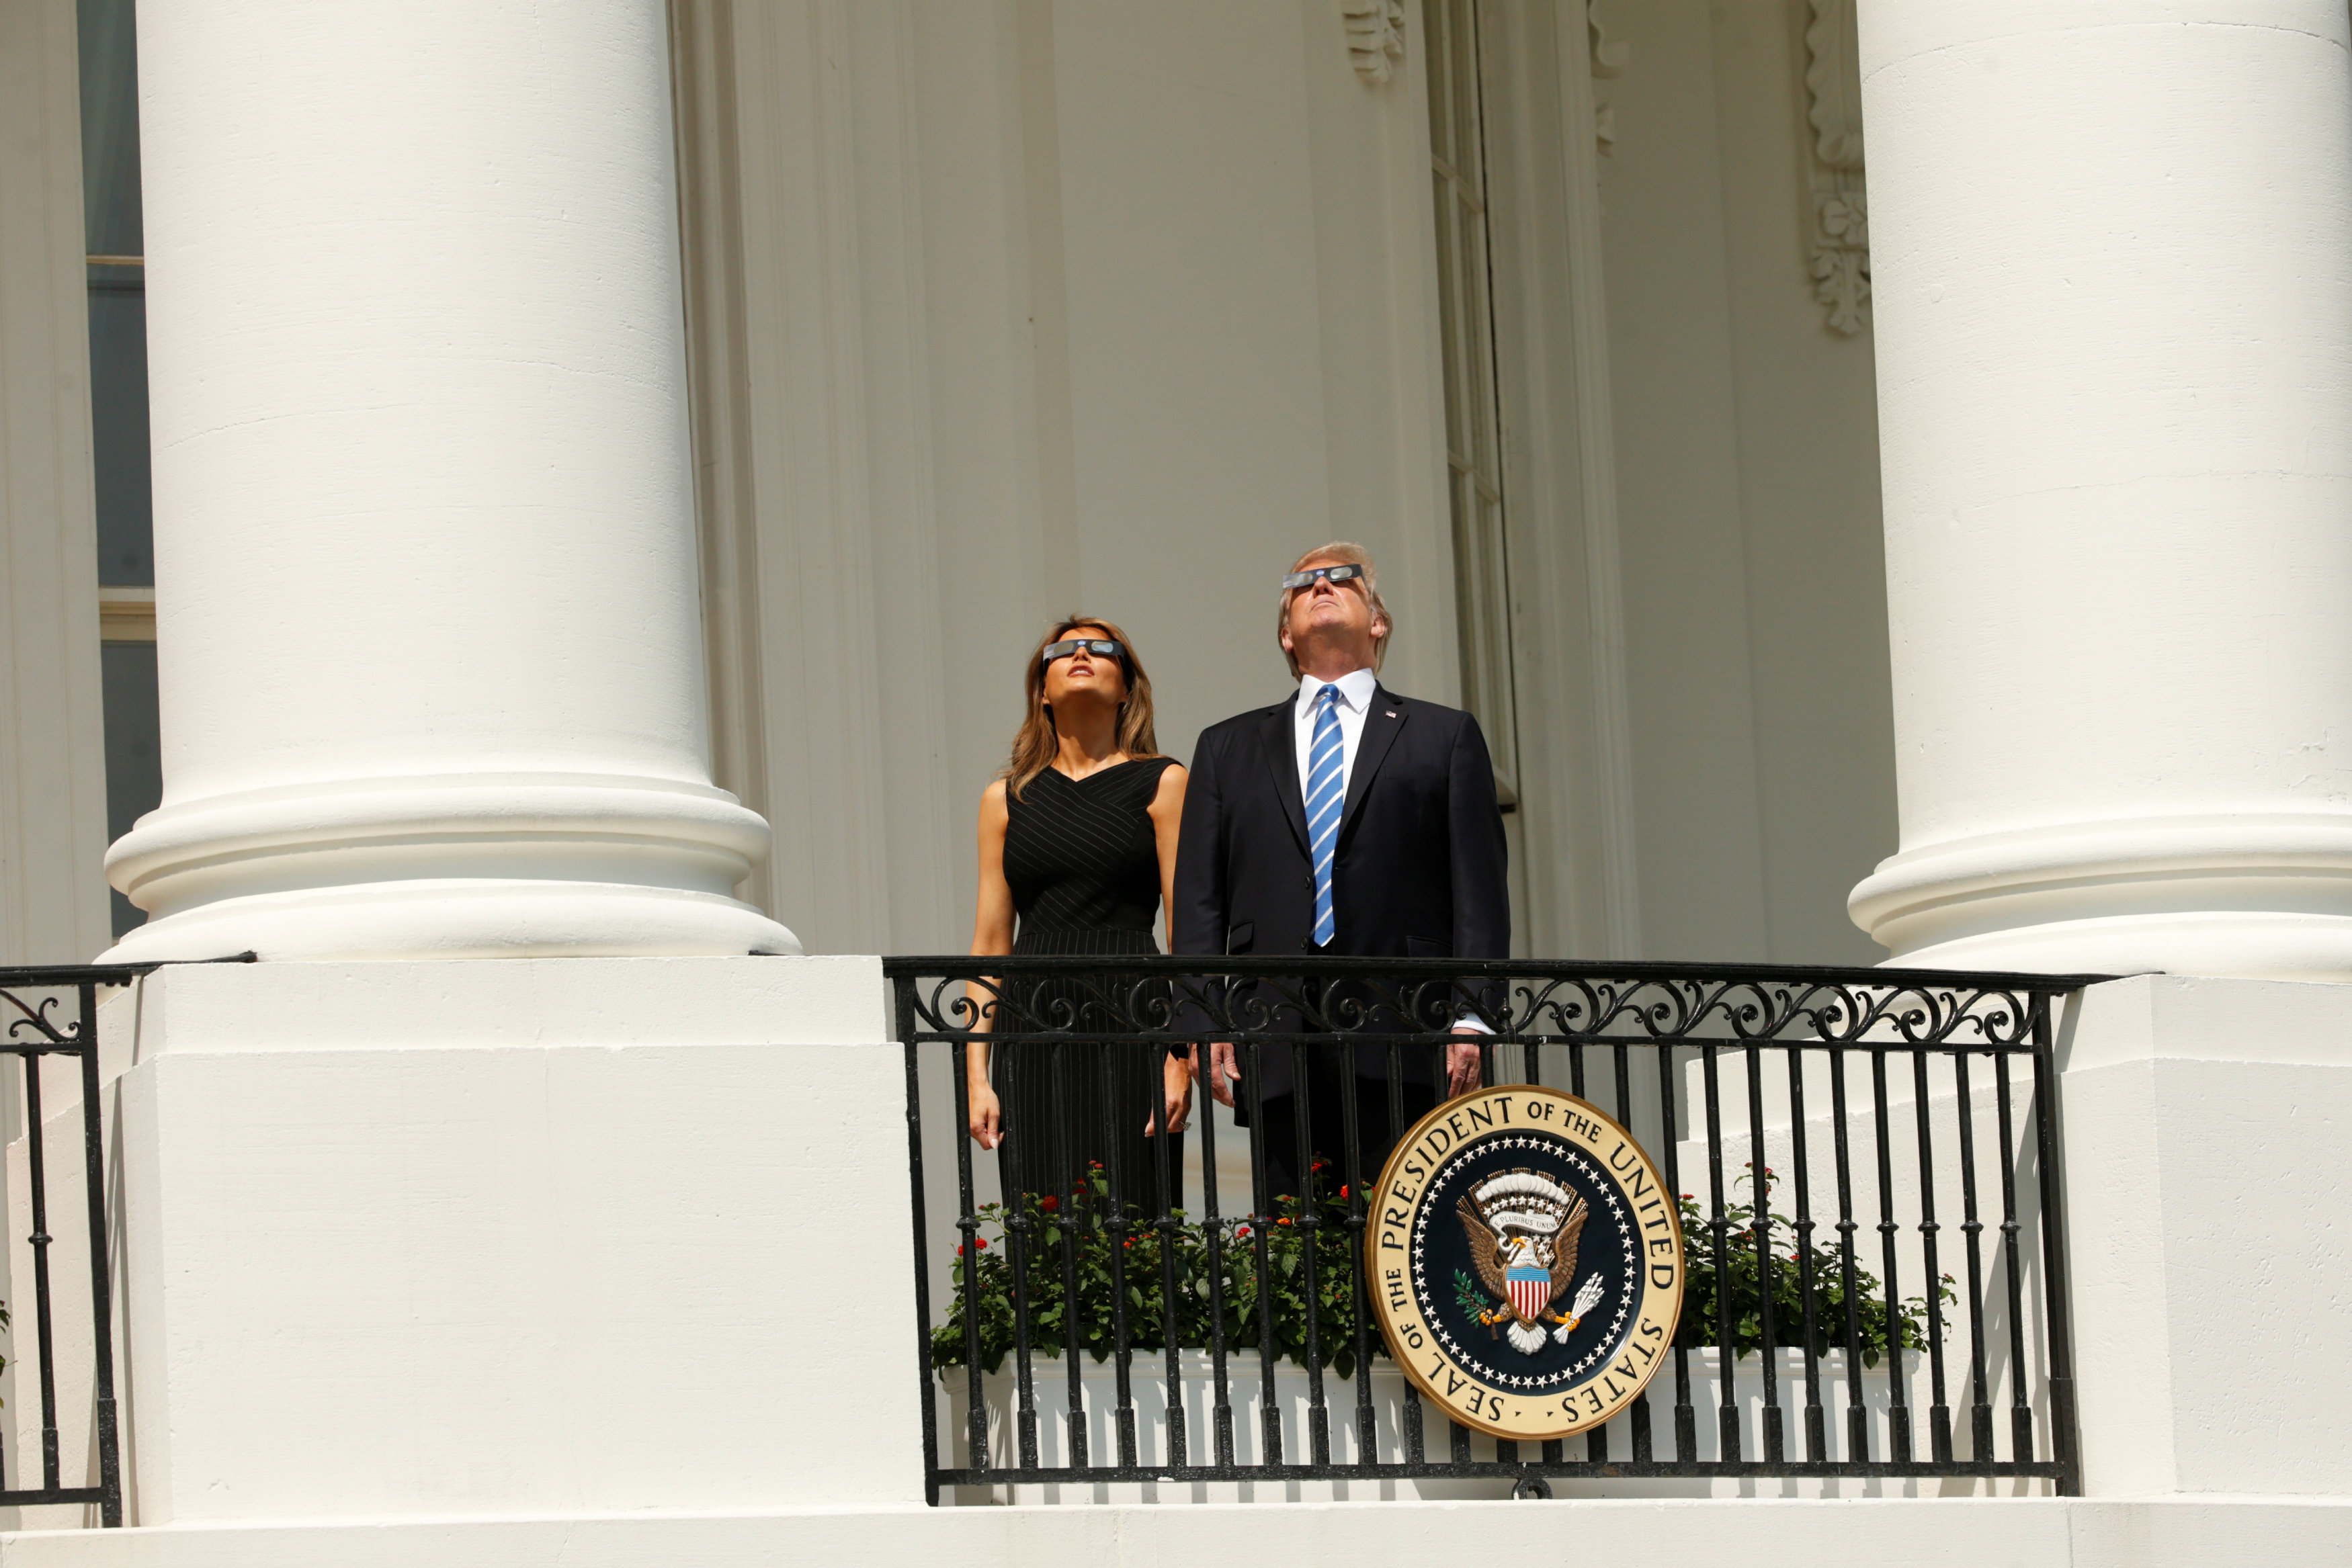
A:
x: 1038, y: 742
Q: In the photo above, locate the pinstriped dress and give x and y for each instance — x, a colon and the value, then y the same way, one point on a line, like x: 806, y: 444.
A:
x: 1083, y: 862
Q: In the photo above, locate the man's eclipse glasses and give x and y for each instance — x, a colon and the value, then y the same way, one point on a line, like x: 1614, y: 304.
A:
x: 1347, y: 573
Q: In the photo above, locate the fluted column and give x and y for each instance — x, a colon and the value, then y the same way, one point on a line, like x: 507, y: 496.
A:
x: 2112, y: 247
x: 426, y: 608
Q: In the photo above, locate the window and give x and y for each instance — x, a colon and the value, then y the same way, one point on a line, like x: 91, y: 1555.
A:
x: 115, y: 247
x: 1473, y: 423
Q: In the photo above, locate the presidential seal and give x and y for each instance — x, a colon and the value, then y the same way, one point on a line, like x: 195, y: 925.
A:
x: 1524, y: 1261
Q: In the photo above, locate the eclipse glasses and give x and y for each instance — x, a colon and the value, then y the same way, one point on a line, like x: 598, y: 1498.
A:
x: 1344, y: 573
x: 1063, y: 650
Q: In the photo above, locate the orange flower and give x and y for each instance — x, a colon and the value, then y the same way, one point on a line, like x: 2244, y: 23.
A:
x: 1282, y: 1221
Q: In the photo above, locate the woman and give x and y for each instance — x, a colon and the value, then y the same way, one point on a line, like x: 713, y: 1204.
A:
x: 1077, y: 842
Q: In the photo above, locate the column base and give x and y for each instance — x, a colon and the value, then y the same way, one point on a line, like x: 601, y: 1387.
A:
x: 460, y: 866
x: 2211, y: 942
x: 2261, y: 896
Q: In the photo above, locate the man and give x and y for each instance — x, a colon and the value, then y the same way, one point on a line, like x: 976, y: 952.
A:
x: 1343, y: 820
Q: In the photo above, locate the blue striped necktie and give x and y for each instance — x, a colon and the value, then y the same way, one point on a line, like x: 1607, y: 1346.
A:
x: 1326, y: 789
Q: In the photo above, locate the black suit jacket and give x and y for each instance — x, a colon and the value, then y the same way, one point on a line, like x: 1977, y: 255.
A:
x: 1419, y: 870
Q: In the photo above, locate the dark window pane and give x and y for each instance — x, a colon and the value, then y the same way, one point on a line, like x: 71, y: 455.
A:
x: 134, y: 768
x: 109, y: 129
x: 118, y: 428
x: 118, y: 302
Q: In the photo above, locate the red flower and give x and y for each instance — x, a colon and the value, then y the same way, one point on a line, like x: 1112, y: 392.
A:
x: 1243, y: 1230
x: 1051, y: 1203
x: 981, y: 1242
x: 1343, y: 1190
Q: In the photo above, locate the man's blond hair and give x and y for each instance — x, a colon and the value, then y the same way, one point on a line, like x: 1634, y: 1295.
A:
x: 1339, y: 552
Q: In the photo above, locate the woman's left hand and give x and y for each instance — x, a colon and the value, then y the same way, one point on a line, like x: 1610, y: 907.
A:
x: 1175, y: 1098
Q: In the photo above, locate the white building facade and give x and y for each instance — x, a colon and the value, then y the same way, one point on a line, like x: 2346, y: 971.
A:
x: 607, y: 462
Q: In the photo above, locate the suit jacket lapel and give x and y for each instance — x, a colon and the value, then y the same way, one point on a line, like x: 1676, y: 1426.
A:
x: 1372, y: 748
x: 1275, y: 738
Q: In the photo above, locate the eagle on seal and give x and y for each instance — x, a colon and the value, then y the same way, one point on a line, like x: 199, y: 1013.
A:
x: 1524, y: 1228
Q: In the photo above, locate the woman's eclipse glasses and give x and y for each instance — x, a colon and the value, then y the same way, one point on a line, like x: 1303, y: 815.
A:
x: 1347, y: 573
x: 1063, y: 650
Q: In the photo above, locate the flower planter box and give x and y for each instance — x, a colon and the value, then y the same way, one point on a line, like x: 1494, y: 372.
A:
x: 1748, y: 1399
x: 1148, y: 1391
x: 1149, y: 1386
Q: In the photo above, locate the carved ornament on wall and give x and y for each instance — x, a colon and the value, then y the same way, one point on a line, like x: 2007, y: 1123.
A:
x: 1375, y: 36
x: 1608, y: 63
x: 1841, y: 237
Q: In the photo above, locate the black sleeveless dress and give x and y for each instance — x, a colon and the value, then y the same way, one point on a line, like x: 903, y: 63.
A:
x: 1083, y: 862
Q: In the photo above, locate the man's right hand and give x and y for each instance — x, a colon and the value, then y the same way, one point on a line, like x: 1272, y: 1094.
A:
x: 1225, y: 1070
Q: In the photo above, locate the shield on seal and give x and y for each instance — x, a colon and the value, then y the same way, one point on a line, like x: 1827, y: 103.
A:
x: 1530, y: 1291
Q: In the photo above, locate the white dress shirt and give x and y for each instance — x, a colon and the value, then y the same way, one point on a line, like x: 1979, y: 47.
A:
x: 1356, y: 689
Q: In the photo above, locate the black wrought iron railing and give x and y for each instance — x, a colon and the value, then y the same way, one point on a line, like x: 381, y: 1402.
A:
x: 1172, y: 1314
x: 52, y: 1015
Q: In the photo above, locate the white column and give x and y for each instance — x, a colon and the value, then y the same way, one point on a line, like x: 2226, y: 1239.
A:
x: 426, y: 596
x: 2112, y: 241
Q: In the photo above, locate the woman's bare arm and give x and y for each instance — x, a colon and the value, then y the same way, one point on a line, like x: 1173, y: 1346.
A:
x: 1167, y: 809
x: 992, y: 934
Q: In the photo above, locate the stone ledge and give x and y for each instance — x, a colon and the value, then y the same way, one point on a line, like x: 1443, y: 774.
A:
x: 2075, y: 1533
x: 212, y: 1009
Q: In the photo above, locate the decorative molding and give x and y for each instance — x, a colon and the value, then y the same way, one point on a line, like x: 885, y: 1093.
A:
x: 812, y: 415
x: 1375, y: 36
x: 1577, y: 816
x: 54, y: 905
x: 1840, y: 240
x: 1608, y: 61
x: 126, y: 615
